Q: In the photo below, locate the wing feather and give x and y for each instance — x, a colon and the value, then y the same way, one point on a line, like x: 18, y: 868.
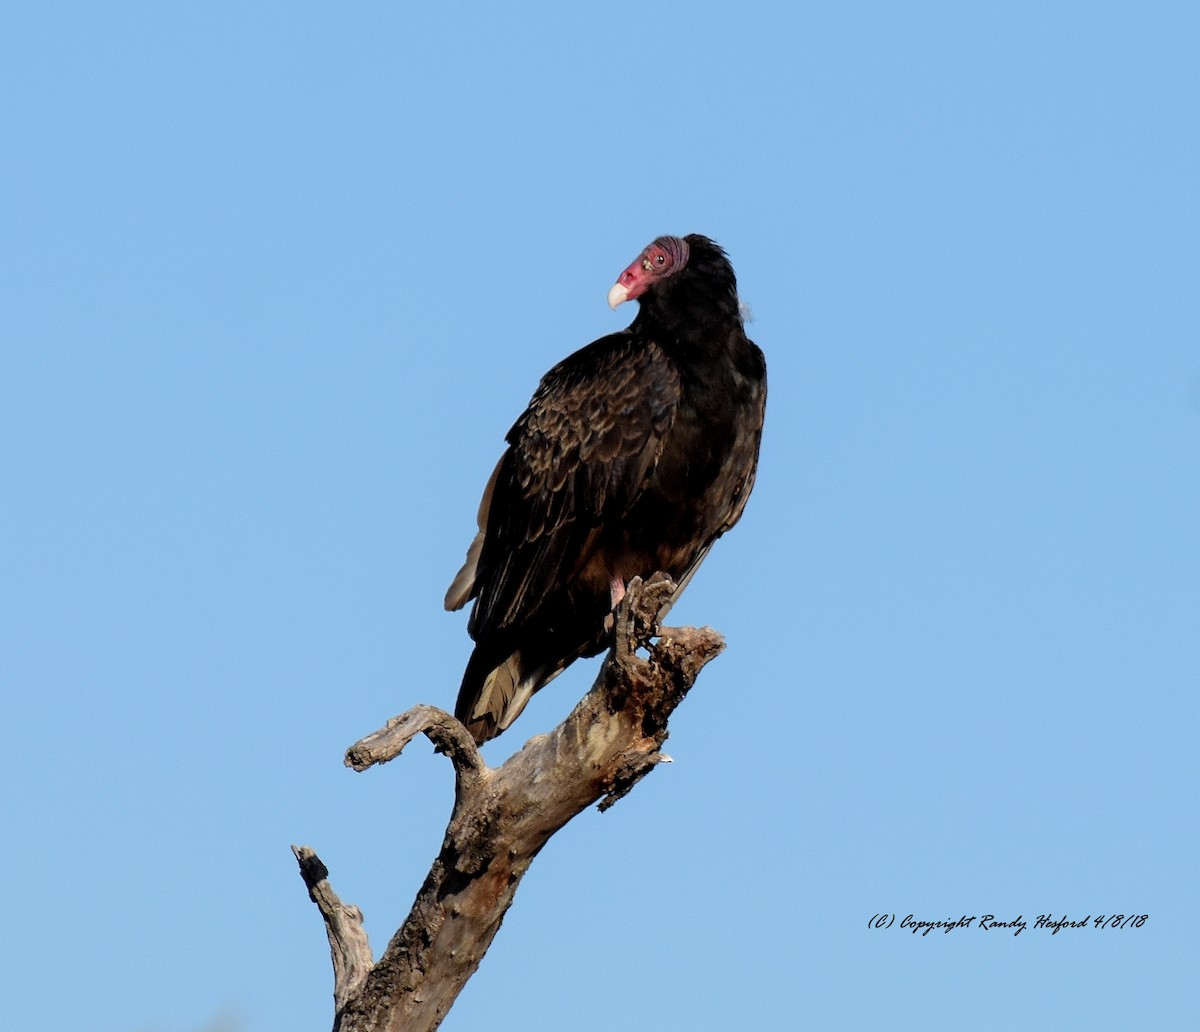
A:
x: 578, y: 456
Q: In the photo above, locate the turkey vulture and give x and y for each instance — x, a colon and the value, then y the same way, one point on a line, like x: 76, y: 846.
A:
x: 635, y: 454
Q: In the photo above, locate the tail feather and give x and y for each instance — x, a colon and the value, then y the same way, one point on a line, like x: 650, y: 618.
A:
x: 494, y: 694
x: 504, y: 671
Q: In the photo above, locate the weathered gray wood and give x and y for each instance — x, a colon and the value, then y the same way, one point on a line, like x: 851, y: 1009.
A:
x: 503, y: 816
x: 348, y: 943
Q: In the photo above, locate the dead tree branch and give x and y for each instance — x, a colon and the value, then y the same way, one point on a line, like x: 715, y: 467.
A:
x: 503, y: 816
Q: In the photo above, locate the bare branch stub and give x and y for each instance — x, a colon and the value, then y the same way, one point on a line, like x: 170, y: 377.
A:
x: 645, y: 692
x: 348, y: 944
x: 446, y: 733
x: 503, y: 817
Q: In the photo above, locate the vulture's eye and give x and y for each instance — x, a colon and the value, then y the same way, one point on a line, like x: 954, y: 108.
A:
x: 660, y: 260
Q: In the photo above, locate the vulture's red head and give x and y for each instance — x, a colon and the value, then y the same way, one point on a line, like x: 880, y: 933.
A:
x: 665, y: 257
x: 684, y: 286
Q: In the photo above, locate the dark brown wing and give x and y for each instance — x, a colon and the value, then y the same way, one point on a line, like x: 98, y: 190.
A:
x: 751, y: 372
x: 577, y: 457
x: 729, y: 492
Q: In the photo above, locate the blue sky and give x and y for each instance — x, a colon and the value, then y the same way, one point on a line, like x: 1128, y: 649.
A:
x: 275, y: 281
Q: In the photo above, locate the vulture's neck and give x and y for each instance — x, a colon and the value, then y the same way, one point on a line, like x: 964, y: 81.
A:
x: 698, y: 318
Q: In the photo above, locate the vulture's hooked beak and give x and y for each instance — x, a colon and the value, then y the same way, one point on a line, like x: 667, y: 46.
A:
x: 633, y: 282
